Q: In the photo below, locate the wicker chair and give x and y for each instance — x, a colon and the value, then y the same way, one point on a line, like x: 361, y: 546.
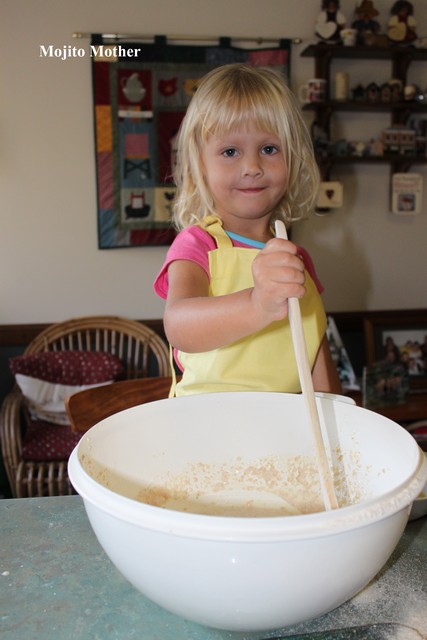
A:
x: 142, y: 352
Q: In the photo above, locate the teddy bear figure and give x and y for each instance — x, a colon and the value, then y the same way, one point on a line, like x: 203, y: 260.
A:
x: 402, y: 25
x: 365, y: 24
x: 330, y: 22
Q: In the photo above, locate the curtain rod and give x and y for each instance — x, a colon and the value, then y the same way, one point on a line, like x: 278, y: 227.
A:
x: 130, y: 36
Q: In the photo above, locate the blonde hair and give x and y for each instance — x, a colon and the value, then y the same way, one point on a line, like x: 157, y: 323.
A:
x: 226, y: 99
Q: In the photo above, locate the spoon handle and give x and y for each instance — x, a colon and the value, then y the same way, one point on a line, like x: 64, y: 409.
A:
x: 304, y: 371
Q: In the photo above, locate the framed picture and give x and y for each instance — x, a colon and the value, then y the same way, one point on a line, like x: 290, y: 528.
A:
x: 395, y: 338
x: 384, y: 385
x: 340, y: 357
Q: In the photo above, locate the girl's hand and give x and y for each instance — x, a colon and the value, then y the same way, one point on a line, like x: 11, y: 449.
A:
x: 278, y: 274
x: 196, y: 322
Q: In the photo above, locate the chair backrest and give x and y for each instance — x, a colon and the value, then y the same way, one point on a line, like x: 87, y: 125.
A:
x: 90, y: 406
x: 141, y: 350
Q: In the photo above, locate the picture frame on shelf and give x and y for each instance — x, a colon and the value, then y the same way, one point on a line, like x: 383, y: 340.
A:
x: 407, y: 191
x: 399, y: 339
x: 340, y: 357
x: 384, y: 385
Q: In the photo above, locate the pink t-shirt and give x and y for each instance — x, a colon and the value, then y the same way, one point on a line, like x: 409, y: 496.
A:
x: 194, y: 244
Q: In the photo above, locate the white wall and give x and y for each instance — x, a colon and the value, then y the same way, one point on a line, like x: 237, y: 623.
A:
x: 50, y: 266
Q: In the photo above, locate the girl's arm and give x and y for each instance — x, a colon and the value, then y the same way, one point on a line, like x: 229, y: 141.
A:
x: 195, y: 322
x: 325, y: 374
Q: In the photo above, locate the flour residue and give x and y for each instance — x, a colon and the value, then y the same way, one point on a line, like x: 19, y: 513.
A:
x: 270, y: 486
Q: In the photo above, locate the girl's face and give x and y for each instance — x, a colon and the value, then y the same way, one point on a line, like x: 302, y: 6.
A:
x: 246, y: 173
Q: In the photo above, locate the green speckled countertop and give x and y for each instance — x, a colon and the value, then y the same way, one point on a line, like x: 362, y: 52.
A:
x: 57, y: 583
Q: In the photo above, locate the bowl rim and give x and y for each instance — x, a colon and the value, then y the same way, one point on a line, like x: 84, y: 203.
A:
x: 419, y: 506
x: 238, y: 529
x: 257, y: 529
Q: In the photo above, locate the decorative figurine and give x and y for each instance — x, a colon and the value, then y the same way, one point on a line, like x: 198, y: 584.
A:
x: 412, y: 92
x: 359, y: 93
x: 402, y: 25
x: 385, y: 92
x: 330, y: 21
x: 365, y: 25
x: 396, y: 89
x: 372, y: 92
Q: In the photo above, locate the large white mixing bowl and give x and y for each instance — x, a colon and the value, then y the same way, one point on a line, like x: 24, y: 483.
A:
x: 249, y: 451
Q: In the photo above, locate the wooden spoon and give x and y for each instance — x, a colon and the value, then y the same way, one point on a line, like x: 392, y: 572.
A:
x: 300, y: 347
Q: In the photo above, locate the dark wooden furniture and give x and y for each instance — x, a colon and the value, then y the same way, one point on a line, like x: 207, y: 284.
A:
x: 400, y: 59
x: 90, y: 406
x: 412, y: 415
x: 413, y: 410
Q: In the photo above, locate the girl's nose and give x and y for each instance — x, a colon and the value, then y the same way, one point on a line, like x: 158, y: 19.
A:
x: 252, y: 166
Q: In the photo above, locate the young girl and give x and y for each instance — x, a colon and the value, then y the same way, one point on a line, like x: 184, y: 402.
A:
x: 244, y: 160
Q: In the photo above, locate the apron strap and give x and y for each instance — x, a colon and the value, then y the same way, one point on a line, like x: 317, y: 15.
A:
x: 172, y: 390
x: 213, y: 225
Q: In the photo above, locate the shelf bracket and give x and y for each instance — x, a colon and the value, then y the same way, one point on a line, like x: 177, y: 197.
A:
x: 325, y: 168
x: 401, y: 165
x: 323, y: 64
x: 400, y: 64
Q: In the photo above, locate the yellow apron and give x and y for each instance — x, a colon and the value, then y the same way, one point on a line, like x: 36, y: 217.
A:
x: 262, y: 361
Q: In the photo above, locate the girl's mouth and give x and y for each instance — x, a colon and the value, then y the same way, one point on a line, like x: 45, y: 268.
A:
x: 251, y: 190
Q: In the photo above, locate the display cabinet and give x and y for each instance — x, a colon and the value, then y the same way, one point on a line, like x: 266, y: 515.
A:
x: 329, y: 152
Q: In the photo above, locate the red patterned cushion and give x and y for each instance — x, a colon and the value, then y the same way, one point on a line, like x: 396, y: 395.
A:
x: 69, y: 367
x: 47, y: 379
x: 46, y: 442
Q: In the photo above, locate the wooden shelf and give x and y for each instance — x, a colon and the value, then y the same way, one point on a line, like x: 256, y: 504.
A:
x: 388, y: 159
x: 354, y: 105
x: 400, y: 57
x: 363, y: 52
x: 398, y: 164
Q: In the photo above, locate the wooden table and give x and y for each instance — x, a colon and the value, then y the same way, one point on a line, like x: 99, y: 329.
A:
x: 92, y: 405
x: 414, y: 409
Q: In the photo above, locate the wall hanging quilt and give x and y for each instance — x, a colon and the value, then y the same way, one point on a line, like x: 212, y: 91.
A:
x: 139, y: 102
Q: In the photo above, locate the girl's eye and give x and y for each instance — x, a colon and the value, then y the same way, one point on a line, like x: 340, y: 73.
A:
x: 269, y: 149
x: 230, y: 153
